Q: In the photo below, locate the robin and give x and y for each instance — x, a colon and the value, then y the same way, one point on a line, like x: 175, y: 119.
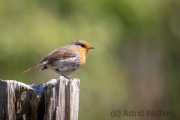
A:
x: 67, y: 59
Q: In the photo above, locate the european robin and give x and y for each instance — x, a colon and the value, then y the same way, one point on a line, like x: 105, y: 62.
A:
x: 67, y: 59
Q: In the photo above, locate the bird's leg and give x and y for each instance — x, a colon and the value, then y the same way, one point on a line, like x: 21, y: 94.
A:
x: 66, y: 77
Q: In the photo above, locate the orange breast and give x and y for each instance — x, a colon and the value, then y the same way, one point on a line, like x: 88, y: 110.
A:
x: 82, y: 55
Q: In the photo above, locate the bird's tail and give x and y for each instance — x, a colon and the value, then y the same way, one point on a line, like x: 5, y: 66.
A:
x: 40, y: 65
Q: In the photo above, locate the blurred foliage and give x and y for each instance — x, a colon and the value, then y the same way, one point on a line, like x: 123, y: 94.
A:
x: 136, y: 63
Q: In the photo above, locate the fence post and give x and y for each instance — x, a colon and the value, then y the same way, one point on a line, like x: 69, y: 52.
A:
x: 58, y: 99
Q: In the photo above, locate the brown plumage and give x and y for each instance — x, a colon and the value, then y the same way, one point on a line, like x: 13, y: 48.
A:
x: 35, y: 67
x: 65, y: 60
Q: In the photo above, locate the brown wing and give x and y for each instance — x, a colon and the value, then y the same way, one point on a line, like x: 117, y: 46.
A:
x: 59, y: 54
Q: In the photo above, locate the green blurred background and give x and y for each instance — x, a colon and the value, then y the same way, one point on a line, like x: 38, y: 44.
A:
x: 136, y: 63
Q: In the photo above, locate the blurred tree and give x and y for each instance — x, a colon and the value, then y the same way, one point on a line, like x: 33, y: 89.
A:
x: 136, y: 62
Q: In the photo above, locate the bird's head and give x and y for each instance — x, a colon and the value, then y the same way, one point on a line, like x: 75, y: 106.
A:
x: 82, y: 45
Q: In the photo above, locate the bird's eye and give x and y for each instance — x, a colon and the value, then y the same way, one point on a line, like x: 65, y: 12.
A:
x: 82, y: 45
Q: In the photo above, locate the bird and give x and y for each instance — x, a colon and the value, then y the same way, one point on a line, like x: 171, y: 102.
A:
x: 66, y: 59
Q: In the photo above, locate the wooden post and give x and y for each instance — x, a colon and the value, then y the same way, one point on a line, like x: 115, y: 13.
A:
x: 58, y: 99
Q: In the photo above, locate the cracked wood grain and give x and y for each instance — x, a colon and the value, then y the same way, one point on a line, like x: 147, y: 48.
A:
x: 58, y: 99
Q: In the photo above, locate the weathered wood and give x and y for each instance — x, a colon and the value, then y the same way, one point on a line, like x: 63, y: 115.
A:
x: 58, y: 99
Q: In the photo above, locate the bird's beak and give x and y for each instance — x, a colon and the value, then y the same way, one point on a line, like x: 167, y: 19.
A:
x: 91, y: 47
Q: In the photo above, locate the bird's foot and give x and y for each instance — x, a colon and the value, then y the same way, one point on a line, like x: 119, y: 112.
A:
x: 66, y: 77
